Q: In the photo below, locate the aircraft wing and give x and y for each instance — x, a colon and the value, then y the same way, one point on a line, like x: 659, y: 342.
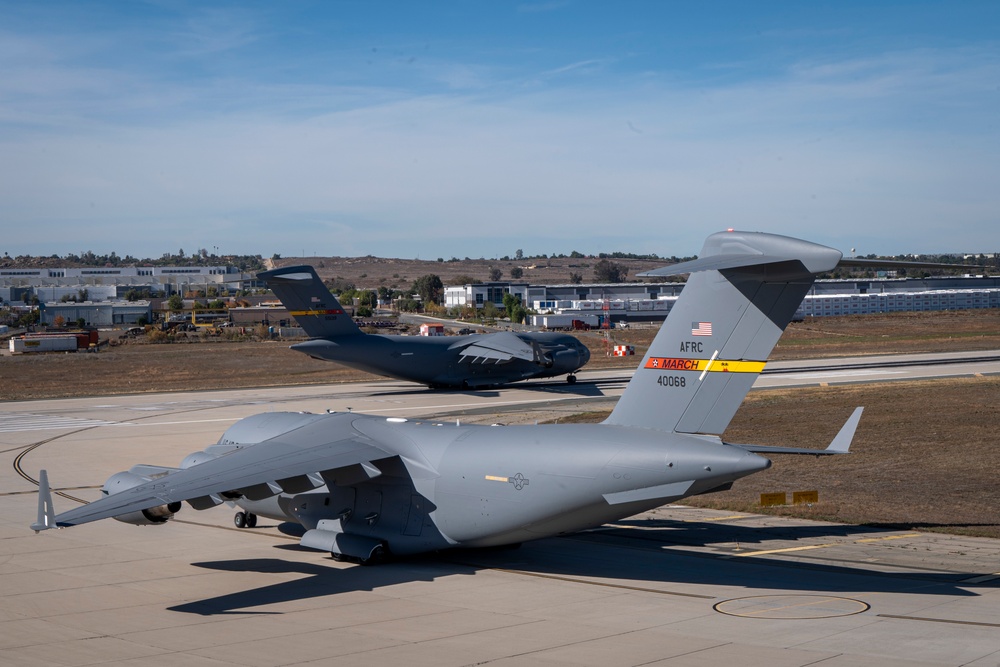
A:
x: 257, y: 467
x: 494, y: 348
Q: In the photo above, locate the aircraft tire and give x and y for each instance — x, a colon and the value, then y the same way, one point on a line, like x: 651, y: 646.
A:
x: 240, y: 520
x: 378, y: 556
x: 251, y: 520
x: 570, y: 379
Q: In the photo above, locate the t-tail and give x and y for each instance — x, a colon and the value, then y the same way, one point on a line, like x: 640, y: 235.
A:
x: 742, y: 292
x: 308, y: 300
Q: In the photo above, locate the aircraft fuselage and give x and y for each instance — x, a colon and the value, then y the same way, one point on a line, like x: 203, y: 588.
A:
x: 475, y: 486
x: 438, y: 361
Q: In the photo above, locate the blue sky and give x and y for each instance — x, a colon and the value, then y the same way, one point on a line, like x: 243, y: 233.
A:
x: 477, y: 128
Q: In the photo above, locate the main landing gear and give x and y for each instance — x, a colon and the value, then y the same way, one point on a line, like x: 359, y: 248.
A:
x: 570, y: 379
x: 377, y: 556
x: 245, y: 520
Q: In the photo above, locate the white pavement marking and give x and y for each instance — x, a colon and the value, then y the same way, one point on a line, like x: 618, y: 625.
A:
x: 14, y: 423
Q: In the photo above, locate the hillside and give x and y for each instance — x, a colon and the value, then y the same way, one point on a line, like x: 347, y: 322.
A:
x: 373, y: 272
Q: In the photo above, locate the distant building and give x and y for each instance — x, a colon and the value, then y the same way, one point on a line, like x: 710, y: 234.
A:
x: 651, y: 302
x: 97, y: 314
x: 167, y: 279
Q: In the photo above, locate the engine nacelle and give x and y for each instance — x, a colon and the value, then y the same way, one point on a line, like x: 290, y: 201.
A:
x: 123, y: 481
x: 195, y: 458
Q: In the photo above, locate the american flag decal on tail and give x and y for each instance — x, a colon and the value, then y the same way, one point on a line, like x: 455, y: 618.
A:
x: 701, y: 328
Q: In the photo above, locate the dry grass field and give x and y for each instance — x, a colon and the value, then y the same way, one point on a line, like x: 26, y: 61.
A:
x: 925, y: 456
x: 926, y: 453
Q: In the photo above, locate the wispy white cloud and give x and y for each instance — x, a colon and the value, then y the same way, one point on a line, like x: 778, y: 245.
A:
x: 214, y: 30
x: 852, y: 152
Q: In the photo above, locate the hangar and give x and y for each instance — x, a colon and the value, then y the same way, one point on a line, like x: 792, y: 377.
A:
x: 96, y: 313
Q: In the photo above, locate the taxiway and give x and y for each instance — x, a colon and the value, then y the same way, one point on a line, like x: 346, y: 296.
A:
x: 675, y: 586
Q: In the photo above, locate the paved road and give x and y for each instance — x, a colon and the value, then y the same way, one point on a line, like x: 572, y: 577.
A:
x: 676, y: 586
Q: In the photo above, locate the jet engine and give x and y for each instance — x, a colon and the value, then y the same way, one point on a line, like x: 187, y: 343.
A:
x: 195, y: 458
x: 152, y: 516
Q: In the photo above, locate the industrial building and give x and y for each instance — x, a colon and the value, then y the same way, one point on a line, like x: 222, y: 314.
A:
x: 53, y: 283
x: 96, y: 295
x: 96, y: 313
x: 650, y: 302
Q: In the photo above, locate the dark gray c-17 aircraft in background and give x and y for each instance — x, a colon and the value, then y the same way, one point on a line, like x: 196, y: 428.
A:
x: 364, y: 486
x: 466, y: 362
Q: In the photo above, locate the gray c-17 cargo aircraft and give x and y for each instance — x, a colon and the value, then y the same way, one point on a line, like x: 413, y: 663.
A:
x: 467, y: 362
x: 366, y: 486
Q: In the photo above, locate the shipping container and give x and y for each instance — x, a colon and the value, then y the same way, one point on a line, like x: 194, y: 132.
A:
x: 50, y: 343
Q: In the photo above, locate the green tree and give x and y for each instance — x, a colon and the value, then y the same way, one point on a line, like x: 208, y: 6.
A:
x: 575, y: 278
x: 408, y: 305
x: 516, y: 273
x: 28, y: 318
x: 495, y: 274
x: 510, y: 301
x: 429, y: 287
x: 367, y: 299
x: 175, y: 302
x: 606, y: 271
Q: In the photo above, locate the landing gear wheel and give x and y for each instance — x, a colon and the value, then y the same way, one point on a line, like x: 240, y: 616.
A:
x: 240, y: 520
x: 570, y: 379
x: 377, y: 556
x: 337, y: 557
x: 251, y: 520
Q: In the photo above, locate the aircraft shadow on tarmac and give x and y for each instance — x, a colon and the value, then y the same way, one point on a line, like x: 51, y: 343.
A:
x: 644, y: 564
x: 583, y: 388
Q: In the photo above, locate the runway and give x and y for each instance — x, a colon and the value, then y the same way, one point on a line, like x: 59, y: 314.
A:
x: 676, y: 586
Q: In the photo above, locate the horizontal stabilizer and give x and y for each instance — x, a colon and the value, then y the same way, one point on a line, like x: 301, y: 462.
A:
x: 733, y: 250
x: 841, y: 443
x: 714, y: 263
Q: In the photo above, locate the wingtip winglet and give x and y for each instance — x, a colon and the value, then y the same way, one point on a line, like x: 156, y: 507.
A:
x: 841, y: 443
x: 46, y: 512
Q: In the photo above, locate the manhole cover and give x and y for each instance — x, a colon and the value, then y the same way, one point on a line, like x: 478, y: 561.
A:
x: 791, y: 606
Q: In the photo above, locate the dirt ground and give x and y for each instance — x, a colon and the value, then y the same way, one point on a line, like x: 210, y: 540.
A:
x: 926, y: 454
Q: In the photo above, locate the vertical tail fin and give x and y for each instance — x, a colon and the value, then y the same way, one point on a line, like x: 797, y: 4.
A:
x: 743, y: 291
x: 309, y: 301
